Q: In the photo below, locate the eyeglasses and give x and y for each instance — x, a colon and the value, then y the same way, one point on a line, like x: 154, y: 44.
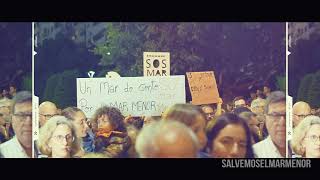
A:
x: 314, y: 138
x: 277, y: 116
x: 301, y: 116
x: 68, y: 138
x: 23, y: 116
x: 48, y: 116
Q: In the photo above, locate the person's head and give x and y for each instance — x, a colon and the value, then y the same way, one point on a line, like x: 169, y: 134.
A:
x: 12, y: 90
x: 266, y: 89
x: 275, y: 113
x: 78, y: 118
x: 22, y: 118
x: 208, y: 111
x: 191, y: 116
x: 306, y: 137
x: 2, y: 120
x: 109, y: 118
x: 58, y: 138
x: 300, y: 110
x: 167, y: 139
x: 239, y: 102
x: 5, y: 93
x: 253, y: 95
x: 6, y: 108
x: 258, y: 105
x: 150, y: 119
x: 251, y: 120
x: 230, y: 137
x: 239, y: 110
x: 47, y: 110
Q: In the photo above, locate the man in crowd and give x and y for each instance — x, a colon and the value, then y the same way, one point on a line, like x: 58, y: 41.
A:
x: 239, y: 102
x: 274, y: 146
x: 47, y: 110
x: 20, y: 146
x: 300, y: 110
x: 12, y: 90
x: 167, y: 139
x: 266, y: 90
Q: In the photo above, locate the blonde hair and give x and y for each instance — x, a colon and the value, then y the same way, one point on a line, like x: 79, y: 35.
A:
x: 48, y: 129
x: 300, y: 132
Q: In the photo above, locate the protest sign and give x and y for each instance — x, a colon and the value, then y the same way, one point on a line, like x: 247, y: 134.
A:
x: 203, y: 87
x: 156, y: 64
x: 135, y: 96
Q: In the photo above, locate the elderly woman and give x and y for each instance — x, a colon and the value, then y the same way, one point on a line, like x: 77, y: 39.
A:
x: 58, y: 139
x: 306, y: 137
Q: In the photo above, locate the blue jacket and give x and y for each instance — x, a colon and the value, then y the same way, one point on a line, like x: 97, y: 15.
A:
x: 88, y: 142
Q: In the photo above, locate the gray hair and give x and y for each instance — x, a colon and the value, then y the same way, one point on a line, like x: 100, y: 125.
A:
x: 274, y: 97
x: 146, y: 143
x: 300, y: 132
x: 21, y: 97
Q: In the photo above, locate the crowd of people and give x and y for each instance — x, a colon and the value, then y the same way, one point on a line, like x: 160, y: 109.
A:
x: 249, y: 128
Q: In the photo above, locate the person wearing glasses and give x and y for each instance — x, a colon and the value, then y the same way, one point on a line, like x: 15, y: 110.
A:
x: 306, y: 137
x: 274, y: 146
x: 300, y: 110
x: 83, y: 131
x: 58, y: 139
x: 20, y: 146
x: 230, y: 137
x: 47, y: 110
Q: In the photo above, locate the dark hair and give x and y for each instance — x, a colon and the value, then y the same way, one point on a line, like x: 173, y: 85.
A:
x: 114, y: 115
x: 240, y: 110
x: 21, y: 97
x: 238, y: 98
x: 274, y: 97
x: 222, y: 122
x: 69, y: 112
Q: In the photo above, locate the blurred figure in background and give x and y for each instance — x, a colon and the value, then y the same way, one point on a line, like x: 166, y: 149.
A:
x: 300, y: 110
x: 167, y: 139
x: 191, y: 116
x: 47, y: 110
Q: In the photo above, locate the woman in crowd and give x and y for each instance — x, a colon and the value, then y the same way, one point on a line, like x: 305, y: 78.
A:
x: 111, y: 136
x: 79, y: 120
x: 306, y: 138
x: 58, y: 139
x: 193, y: 117
x: 230, y: 138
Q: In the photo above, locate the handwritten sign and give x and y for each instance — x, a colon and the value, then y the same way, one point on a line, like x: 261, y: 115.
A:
x: 135, y: 96
x: 203, y: 87
x: 156, y: 64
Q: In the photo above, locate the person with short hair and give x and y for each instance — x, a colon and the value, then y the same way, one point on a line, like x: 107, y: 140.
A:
x: 239, y: 101
x: 58, y: 138
x: 230, y: 137
x: 20, y: 146
x: 191, y: 116
x: 306, y: 137
x: 12, y: 90
x: 167, y: 139
x: 111, y: 137
x: 47, y: 110
x: 253, y: 123
x: 300, y: 110
x: 274, y: 146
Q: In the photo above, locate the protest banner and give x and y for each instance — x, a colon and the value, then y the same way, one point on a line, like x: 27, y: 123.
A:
x: 203, y: 87
x: 156, y: 63
x: 135, y: 96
